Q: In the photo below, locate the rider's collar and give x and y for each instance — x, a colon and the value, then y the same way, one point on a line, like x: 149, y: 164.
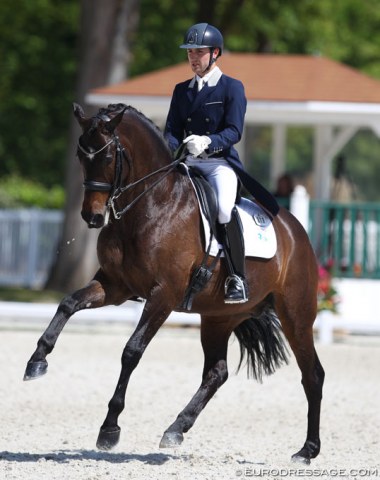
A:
x: 211, y: 78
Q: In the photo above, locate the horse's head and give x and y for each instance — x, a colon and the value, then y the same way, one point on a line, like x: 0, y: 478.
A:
x: 98, y: 150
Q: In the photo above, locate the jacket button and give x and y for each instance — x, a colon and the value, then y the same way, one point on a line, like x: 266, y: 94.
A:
x: 207, y: 119
x: 189, y: 119
x: 190, y: 132
x: 208, y: 133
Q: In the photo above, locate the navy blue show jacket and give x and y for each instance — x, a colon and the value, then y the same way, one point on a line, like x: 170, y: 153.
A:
x: 217, y: 111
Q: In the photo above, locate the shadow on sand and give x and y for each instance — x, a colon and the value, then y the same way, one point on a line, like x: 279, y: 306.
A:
x: 65, y: 456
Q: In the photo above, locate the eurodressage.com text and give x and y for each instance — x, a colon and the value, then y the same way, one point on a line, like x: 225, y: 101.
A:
x: 352, y: 473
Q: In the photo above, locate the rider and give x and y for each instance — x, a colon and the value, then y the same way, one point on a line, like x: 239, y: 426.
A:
x: 207, y: 114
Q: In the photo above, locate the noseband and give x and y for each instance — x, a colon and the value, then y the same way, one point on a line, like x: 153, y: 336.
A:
x: 115, y: 188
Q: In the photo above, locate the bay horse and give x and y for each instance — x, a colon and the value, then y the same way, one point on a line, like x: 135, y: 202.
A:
x: 148, y: 248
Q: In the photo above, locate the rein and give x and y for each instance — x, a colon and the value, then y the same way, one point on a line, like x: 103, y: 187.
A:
x: 111, y: 201
x: 115, y: 188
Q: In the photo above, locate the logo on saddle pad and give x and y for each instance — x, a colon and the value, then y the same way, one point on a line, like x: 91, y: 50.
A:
x: 261, y: 219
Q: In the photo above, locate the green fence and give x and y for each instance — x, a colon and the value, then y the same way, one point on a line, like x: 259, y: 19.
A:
x: 346, y: 237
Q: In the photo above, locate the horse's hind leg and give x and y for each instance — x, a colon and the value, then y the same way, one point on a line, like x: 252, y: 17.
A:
x: 92, y: 296
x: 214, y: 337
x: 297, y: 322
x: 312, y: 381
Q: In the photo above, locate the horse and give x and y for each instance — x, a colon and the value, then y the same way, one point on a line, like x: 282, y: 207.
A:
x: 149, y: 244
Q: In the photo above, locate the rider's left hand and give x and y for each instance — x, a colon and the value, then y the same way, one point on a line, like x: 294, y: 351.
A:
x: 197, y: 144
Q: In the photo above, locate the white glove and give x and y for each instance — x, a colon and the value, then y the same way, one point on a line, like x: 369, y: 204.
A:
x: 197, y: 144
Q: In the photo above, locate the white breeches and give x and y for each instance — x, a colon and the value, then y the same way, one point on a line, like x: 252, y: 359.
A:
x: 224, y: 181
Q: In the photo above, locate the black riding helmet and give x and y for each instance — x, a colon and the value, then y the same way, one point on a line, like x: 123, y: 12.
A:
x: 204, y: 35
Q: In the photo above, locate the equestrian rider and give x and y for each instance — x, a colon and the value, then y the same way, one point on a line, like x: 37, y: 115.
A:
x: 207, y: 114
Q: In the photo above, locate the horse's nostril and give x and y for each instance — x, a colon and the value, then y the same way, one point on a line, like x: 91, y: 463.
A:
x: 97, y: 221
x: 93, y: 220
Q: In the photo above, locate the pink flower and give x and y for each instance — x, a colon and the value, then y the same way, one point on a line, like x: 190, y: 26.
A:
x: 327, y: 295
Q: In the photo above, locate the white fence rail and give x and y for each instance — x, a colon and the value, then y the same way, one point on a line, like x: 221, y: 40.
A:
x: 128, y: 313
x: 28, y: 242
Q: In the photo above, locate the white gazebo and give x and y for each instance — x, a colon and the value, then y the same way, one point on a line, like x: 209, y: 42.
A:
x: 281, y: 90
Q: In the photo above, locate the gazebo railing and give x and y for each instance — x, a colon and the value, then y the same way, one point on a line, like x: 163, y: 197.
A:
x: 346, y: 237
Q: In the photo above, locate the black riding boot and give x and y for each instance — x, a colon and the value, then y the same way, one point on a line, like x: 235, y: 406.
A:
x: 235, y: 287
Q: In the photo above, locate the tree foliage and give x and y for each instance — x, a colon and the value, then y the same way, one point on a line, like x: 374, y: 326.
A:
x: 344, y: 30
x: 19, y: 192
x: 38, y: 64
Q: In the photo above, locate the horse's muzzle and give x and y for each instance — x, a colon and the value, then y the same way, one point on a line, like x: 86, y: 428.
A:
x: 93, y: 220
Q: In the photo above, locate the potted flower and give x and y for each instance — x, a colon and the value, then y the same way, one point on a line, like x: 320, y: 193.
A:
x: 328, y: 299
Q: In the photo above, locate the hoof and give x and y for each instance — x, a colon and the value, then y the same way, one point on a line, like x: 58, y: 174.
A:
x: 171, y: 439
x: 298, y: 458
x: 308, y: 451
x: 108, y: 439
x: 35, y: 370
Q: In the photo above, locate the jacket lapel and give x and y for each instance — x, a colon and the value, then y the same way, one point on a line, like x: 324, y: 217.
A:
x: 201, y: 97
x: 191, y: 91
x: 209, y: 87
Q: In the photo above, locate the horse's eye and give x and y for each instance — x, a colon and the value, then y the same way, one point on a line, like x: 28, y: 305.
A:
x: 109, y: 158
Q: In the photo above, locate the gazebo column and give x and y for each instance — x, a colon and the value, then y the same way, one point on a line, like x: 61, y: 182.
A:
x: 278, y: 154
x: 327, y: 144
x: 322, y: 139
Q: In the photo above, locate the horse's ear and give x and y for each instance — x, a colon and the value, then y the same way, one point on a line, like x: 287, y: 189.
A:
x: 79, y: 114
x: 112, y: 124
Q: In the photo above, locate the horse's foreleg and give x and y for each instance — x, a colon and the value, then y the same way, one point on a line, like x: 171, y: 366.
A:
x: 215, y: 373
x: 154, y: 315
x: 91, y: 296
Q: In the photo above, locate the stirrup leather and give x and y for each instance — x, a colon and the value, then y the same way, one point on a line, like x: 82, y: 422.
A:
x: 240, y: 287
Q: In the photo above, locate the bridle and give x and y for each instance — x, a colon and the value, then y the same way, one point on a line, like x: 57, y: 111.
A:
x: 115, y: 188
x: 92, y: 184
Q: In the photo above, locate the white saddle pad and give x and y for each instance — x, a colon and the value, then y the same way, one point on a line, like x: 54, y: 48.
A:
x: 259, y: 235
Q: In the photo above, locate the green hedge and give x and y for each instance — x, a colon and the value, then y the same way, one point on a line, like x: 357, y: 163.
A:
x: 17, y: 192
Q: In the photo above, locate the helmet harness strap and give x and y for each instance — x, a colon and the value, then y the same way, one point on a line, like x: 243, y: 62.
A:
x: 211, y: 62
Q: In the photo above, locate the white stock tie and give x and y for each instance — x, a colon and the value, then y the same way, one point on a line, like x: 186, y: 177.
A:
x: 200, y: 84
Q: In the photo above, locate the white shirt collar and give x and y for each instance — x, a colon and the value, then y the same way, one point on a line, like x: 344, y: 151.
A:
x: 211, y: 78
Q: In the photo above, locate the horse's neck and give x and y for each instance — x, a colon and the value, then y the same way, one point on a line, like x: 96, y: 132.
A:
x: 148, y: 165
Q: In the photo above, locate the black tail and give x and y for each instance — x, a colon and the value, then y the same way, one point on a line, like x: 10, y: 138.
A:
x: 261, y: 340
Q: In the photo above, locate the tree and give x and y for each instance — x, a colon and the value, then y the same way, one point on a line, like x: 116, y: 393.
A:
x: 37, y: 65
x: 104, y: 57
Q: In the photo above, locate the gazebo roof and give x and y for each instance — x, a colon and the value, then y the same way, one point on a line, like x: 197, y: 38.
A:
x: 287, y: 78
x: 291, y: 89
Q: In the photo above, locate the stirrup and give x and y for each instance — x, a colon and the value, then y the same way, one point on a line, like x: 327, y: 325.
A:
x: 235, y: 290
